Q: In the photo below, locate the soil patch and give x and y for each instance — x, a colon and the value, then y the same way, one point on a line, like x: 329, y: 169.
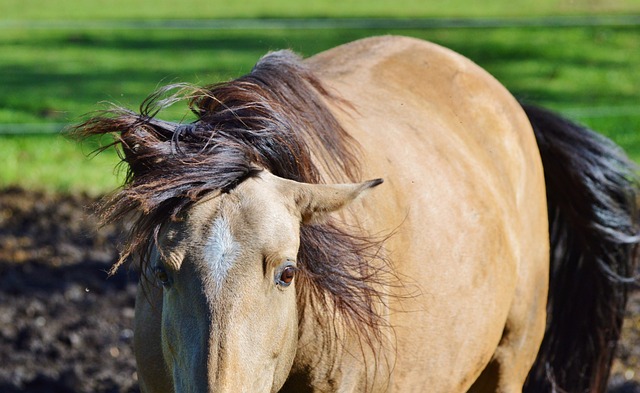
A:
x: 67, y: 327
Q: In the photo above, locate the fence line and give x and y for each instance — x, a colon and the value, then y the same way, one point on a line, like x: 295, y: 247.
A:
x: 32, y: 128
x: 326, y: 23
x: 579, y: 113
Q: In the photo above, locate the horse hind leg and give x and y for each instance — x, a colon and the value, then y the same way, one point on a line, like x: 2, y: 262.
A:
x: 515, y: 355
x: 505, y: 373
x: 509, y: 366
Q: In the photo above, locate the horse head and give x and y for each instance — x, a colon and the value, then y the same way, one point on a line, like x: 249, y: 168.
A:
x: 227, y: 215
x: 229, y: 314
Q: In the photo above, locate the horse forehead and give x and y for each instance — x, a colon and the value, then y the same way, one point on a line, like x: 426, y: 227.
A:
x: 255, y: 214
x: 258, y: 197
x: 261, y: 218
x: 221, y: 250
x: 264, y: 207
x: 246, y: 222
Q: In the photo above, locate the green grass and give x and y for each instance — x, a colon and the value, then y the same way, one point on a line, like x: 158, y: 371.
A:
x: 197, y: 9
x: 57, y: 76
x: 53, y: 163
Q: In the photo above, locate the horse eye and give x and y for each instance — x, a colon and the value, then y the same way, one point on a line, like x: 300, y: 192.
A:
x: 286, y: 276
x: 161, y: 275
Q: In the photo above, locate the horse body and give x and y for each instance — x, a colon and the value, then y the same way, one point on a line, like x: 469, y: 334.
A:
x: 454, y: 296
x: 466, y: 194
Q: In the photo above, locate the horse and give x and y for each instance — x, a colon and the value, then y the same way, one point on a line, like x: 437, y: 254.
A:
x: 491, y: 252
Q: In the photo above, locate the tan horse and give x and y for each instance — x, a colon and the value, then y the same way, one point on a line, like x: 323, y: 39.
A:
x: 259, y: 275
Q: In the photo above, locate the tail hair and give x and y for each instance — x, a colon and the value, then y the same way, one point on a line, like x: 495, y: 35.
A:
x: 593, y: 198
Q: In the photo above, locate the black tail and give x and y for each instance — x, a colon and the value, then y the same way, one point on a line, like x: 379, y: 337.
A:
x: 592, y: 193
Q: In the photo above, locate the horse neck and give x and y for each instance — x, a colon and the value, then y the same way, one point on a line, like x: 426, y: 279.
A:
x: 330, y: 354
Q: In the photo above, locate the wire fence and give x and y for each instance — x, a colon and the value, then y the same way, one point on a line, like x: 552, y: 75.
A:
x: 32, y: 128
x: 327, y: 23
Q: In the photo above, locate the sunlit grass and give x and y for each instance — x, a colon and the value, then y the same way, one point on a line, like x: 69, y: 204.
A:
x: 56, y: 163
x: 58, y: 76
x: 187, y: 9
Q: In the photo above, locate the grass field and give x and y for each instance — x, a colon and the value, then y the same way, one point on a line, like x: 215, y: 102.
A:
x: 51, y: 77
x: 197, y: 9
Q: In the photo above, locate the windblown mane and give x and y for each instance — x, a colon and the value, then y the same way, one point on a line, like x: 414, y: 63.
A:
x: 273, y: 119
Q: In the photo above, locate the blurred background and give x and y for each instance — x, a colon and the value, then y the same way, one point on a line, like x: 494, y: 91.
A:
x: 63, y: 325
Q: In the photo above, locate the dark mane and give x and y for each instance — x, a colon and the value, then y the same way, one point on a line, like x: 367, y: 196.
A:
x: 273, y: 119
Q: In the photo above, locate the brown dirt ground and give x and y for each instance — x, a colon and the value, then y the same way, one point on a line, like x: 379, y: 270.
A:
x: 66, y: 327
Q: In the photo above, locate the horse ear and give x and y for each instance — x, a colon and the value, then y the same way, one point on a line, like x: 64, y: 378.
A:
x: 314, y: 201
